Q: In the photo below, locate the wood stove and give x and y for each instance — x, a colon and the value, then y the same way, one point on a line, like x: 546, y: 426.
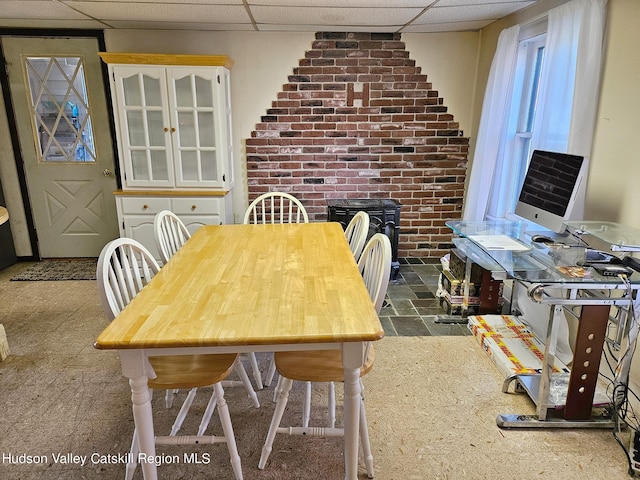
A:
x: 384, y: 215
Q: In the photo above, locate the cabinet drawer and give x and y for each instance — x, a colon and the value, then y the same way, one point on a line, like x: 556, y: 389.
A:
x: 196, y: 206
x: 147, y: 205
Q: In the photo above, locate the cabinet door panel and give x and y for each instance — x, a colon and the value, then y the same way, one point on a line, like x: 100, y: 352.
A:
x: 193, y: 92
x: 144, y: 136
x: 140, y: 228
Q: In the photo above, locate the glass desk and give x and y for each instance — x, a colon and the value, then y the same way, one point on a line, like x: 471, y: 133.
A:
x: 555, y: 274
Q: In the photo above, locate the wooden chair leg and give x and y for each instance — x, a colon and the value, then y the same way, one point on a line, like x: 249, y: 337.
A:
x: 306, y: 407
x: 257, y: 374
x: 227, y: 428
x: 332, y: 404
x: 271, y: 372
x: 206, y: 417
x: 364, y: 441
x: 283, y: 398
x: 242, y: 373
x: 133, y: 462
x: 184, y: 410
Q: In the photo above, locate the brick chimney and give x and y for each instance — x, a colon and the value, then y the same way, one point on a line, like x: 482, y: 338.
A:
x: 358, y: 119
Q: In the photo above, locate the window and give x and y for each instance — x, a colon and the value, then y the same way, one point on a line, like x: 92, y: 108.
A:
x: 61, y: 114
x: 517, y: 144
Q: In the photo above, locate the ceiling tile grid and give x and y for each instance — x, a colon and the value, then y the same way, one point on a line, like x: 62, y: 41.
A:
x: 261, y: 15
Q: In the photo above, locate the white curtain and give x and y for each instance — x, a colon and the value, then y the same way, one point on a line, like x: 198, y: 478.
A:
x: 493, y: 122
x: 567, y: 100
x: 568, y: 96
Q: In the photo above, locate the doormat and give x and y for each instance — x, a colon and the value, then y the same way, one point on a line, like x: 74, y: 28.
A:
x: 51, y: 270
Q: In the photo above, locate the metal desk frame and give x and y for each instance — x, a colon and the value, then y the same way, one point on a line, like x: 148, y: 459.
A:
x: 578, y: 410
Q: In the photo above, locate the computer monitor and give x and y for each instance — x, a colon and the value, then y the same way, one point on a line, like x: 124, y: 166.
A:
x: 549, y: 189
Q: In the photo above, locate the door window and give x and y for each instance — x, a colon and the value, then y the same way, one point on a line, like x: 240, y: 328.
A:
x: 60, y: 109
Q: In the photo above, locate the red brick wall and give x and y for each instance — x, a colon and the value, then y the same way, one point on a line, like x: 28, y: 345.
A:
x: 358, y: 119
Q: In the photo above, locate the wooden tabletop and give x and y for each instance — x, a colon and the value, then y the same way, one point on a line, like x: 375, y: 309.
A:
x: 251, y: 285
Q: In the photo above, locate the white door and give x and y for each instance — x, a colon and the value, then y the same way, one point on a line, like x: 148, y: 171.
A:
x: 62, y: 122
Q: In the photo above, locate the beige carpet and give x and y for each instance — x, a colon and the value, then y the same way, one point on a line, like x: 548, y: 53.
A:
x: 431, y: 404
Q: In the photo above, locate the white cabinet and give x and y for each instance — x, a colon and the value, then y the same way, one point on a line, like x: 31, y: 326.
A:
x: 137, y: 210
x: 173, y: 130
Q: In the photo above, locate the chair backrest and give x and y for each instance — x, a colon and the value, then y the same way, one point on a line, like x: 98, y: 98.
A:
x: 276, y: 207
x: 125, y: 266
x: 375, y: 267
x: 170, y: 234
x: 356, y: 233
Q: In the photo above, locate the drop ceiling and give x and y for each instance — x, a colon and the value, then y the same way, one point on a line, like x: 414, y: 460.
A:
x: 260, y: 15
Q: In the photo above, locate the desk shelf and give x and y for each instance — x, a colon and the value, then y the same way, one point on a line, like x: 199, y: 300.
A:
x: 541, y: 272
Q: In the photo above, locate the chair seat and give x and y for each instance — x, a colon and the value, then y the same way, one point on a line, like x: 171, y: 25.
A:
x: 190, y: 371
x: 317, y: 365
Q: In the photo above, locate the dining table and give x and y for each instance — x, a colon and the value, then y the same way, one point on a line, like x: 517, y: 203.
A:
x: 249, y: 288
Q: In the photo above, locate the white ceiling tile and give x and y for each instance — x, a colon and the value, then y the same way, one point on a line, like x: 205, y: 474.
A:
x: 171, y: 12
x: 334, y: 16
x: 37, y: 9
x: 457, y: 3
x: 265, y: 27
x: 49, y: 24
x: 492, y: 11
x: 191, y: 26
x: 344, y: 4
x: 270, y: 15
x: 446, y: 27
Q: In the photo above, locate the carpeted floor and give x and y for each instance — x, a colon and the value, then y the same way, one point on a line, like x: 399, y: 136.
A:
x: 51, y: 270
x: 431, y: 405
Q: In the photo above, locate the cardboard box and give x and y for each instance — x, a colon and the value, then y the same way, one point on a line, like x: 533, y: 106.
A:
x: 492, y: 325
x: 518, y: 355
x: 455, y: 286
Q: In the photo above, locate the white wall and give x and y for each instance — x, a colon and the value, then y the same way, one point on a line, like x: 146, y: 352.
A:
x: 614, y: 192
x: 264, y: 60
x: 11, y: 190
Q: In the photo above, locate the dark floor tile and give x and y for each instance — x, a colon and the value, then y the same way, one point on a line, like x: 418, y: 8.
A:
x: 424, y: 294
x: 414, y: 261
x: 445, y: 329
x: 410, y: 326
x: 387, y: 326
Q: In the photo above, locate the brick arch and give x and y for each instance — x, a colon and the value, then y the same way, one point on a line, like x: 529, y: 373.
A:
x: 358, y: 119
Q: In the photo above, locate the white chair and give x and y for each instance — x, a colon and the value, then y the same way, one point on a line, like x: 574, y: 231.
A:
x: 356, y: 233
x: 124, y: 267
x: 326, y: 365
x: 171, y: 234
x: 276, y: 207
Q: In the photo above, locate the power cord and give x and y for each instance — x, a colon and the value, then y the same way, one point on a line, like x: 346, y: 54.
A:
x: 623, y: 412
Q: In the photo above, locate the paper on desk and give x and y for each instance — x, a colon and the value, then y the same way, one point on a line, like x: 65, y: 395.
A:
x: 499, y: 242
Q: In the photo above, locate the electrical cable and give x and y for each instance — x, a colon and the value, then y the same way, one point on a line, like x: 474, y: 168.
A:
x: 623, y: 411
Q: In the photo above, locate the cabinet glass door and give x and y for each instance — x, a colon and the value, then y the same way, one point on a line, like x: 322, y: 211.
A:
x: 146, y: 128
x: 193, y: 94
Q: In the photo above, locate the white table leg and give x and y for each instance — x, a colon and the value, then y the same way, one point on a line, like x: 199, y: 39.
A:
x: 135, y: 366
x: 352, y: 361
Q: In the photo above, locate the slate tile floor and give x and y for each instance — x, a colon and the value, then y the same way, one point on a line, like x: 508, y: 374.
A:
x: 411, y: 306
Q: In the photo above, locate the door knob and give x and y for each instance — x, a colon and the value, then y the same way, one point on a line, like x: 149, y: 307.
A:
x: 106, y: 172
